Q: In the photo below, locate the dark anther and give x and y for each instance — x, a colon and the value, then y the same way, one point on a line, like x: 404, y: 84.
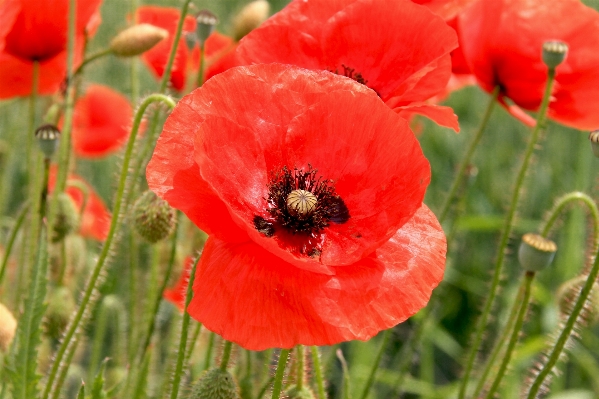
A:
x: 339, y: 212
x: 263, y: 226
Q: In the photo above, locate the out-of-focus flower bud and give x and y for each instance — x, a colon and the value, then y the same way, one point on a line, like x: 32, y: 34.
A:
x: 249, y: 18
x: 8, y: 327
x: 554, y: 53
x: 67, y: 218
x: 295, y: 393
x: 153, y: 217
x: 536, y: 252
x: 137, y: 40
x: 48, y: 137
x: 61, y: 305
x: 594, y: 138
x: 215, y: 384
x: 206, y: 23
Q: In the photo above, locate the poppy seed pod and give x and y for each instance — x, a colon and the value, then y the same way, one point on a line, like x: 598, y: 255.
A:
x: 594, y: 138
x: 8, y: 327
x: 67, y: 218
x: 554, y: 53
x: 48, y: 137
x: 153, y: 218
x: 249, y: 18
x: 215, y: 384
x: 536, y: 252
x: 299, y: 393
x: 205, y: 23
x: 60, y: 306
x: 137, y: 40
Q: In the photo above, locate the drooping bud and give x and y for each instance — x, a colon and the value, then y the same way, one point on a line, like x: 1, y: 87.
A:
x: 153, y: 218
x: 301, y: 203
x: 554, y: 53
x: 8, y: 327
x: 206, y: 23
x: 536, y: 252
x: 61, y: 305
x: 568, y: 292
x: 594, y: 138
x: 249, y: 18
x: 137, y: 40
x: 67, y: 217
x: 295, y: 393
x: 215, y: 384
x: 48, y: 137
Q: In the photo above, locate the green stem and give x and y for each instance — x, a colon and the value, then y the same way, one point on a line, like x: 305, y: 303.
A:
x: 318, y: 372
x: 506, y: 232
x: 375, y: 364
x: 345, y: 369
x: 69, y: 338
x: 133, y: 308
x: 12, y: 238
x: 171, y: 58
x: 208, y: 357
x: 183, y: 341
x: 200, y: 77
x: 519, y: 308
x: 565, y: 200
x: 91, y: 58
x: 192, y: 342
x: 278, y: 384
x: 300, y: 367
x: 457, y: 181
x: 226, y: 355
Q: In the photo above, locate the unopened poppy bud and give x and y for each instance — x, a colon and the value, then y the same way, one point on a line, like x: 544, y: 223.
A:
x: 568, y: 292
x: 153, y: 218
x: 61, y: 305
x: 191, y: 39
x: 536, y: 252
x: 47, y: 137
x: 295, y: 393
x: 206, y: 23
x: 594, y: 138
x: 249, y: 18
x: 554, y: 53
x: 8, y: 327
x: 215, y: 384
x: 137, y: 40
x: 67, y: 217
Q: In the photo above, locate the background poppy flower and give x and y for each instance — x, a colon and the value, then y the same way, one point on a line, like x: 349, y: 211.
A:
x: 101, y: 122
x: 502, y: 43
x: 36, y: 30
x: 176, y: 294
x: 222, y: 160
x: 405, y: 65
x: 95, y: 219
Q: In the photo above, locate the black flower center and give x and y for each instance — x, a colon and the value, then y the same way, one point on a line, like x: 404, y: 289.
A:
x: 301, y: 202
x: 350, y: 73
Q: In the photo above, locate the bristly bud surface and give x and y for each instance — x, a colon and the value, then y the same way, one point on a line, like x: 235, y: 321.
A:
x: 8, y: 327
x: 137, y: 40
x: 48, y: 137
x: 215, y: 384
x: 61, y: 305
x: 554, y: 53
x: 295, y: 393
x: 67, y: 218
x: 568, y: 292
x: 249, y: 18
x: 536, y: 252
x: 594, y: 138
x: 153, y: 217
x: 206, y: 23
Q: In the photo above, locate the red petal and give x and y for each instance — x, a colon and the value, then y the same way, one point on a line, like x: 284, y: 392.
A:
x: 443, y: 116
x: 251, y: 297
x: 446, y: 9
x: 176, y: 295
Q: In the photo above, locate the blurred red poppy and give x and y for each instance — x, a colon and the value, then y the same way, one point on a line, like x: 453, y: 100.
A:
x: 157, y: 57
x: 95, y: 219
x: 405, y: 65
x: 176, y: 294
x: 313, y: 239
x: 102, y: 121
x: 502, y: 43
x: 36, y: 30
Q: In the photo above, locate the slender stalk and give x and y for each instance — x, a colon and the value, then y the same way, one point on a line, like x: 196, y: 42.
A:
x: 192, y: 342
x: 133, y: 281
x: 521, y: 308
x: 300, y: 367
x: 565, y: 200
x: 345, y: 369
x: 457, y: 181
x: 200, y: 77
x: 318, y: 372
x: 11, y: 239
x: 226, y: 355
x: 171, y: 58
x: 375, y: 364
x: 506, y: 232
x: 278, y: 384
x: 91, y: 58
x: 183, y: 341
x: 208, y: 357
x: 69, y: 336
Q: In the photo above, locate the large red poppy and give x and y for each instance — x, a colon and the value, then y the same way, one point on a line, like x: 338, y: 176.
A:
x: 36, y: 30
x: 502, y: 43
x: 157, y: 57
x: 101, y: 121
x: 95, y: 219
x: 365, y: 257
x: 399, y: 49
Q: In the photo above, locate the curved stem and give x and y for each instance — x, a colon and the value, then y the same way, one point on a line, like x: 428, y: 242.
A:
x: 91, y: 58
x: 318, y: 372
x: 506, y: 232
x: 519, y: 309
x: 68, y: 338
x: 226, y: 355
x: 375, y: 364
x: 457, y: 181
x: 12, y: 238
x: 278, y: 384
x: 562, y: 202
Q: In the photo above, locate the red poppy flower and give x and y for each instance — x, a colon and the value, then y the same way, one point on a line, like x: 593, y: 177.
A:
x: 101, y: 122
x: 95, y: 220
x: 176, y: 294
x: 311, y: 190
x: 502, y: 42
x: 36, y: 30
x: 446, y: 9
x: 405, y: 66
x: 157, y: 57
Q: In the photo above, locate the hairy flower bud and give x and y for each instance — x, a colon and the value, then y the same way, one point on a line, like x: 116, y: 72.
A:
x: 536, y: 252
x: 153, y: 218
x: 554, y: 53
x: 67, y: 218
x: 249, y: 18
x: 137, y: 40
x: 8, y: 327
x: 295, y: 393
x: 568, y: 292
x: 61, y: 305
x: 215, y: 384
